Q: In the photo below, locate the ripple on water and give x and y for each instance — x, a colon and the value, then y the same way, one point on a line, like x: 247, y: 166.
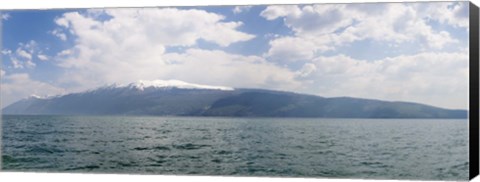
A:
x: 241, y: 146
x: 141, y: 148
x: 87, y: 167
x: 44, y: 149
x: 161, y: 148
x: 223, y: 152
x: 14, y: 162
x: 190, y: 146
x: 152, y: 148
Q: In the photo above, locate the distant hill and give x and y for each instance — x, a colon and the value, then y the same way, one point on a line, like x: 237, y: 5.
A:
x: 176, y: 98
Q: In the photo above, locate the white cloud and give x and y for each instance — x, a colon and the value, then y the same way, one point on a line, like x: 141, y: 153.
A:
x: 65, y: 52
x: 317, y: 19
x: 306, y: 70
x: 195, y: 66
x: 42, y: 57
x: 292, y: 49
x: 17, y: 64
x: 220, y: 68
x: 277, y: 11
x: 5, y: 16
x: 59, y: 33
x: 439, y: 79
x: 19, y: 86
x: 24, y: 54
x: 30, y: 64
x: 6, y: 52
x: 2, y: 72
x: 62, y: 22
x: 131, y: 44
x: 456, y: 14
x: 31, y: 46
x: 177, y: 27
x: 327, y: 26
x: 240, y: 9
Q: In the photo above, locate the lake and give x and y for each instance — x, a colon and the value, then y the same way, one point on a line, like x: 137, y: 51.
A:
x: 293, y: 147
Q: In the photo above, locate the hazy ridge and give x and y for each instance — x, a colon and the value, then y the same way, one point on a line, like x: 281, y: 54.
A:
x: 174, y: 101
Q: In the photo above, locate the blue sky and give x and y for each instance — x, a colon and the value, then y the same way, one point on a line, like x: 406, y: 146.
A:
x: 391, y: 51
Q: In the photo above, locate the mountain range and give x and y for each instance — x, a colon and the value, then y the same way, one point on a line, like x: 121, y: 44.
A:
x: 177, y: 98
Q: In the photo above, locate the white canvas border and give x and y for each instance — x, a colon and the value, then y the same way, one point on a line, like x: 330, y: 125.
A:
x: 55, y: 4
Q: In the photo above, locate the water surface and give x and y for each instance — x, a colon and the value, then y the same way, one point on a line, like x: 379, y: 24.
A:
x: 339, y: 148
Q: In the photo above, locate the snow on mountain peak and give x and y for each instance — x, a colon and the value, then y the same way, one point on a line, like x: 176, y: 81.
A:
x: 36, y: 96
x: 142, y: 84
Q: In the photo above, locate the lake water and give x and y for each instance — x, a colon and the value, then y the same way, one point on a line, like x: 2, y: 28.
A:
x: 333, y: 148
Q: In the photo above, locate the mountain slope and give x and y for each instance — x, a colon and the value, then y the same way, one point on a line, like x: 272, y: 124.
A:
x: 260, y: 104
x: 183, y: 99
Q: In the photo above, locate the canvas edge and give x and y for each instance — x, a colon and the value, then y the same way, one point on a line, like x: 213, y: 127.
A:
x: 474, y: 91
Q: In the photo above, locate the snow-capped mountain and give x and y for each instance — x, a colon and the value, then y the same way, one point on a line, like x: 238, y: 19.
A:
x: 178, y: 98
x: 142, y: 84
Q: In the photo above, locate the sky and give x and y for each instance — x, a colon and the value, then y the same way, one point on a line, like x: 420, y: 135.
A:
x: 415, y: 52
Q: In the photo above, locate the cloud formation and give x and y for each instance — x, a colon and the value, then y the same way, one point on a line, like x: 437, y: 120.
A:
x: 42, y: 57
x: 131, y: 44
x: 220, y: 68
x: 240, y: 9
x: 325, y: 27
x: 23, y: 55
x: 199, y: 46
x: 425, y: 77
x: 19, y: 86
x: 4, y: 16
